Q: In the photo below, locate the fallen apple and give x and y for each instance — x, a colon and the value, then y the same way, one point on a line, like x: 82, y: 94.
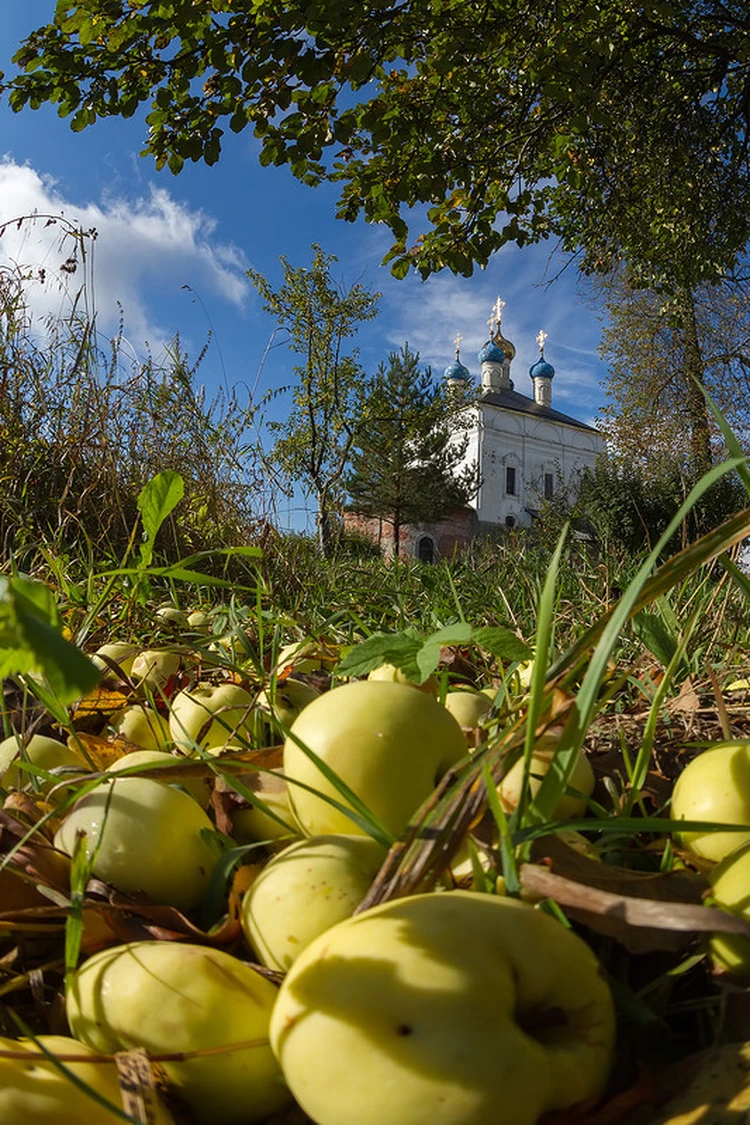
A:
x: 392, y: 675
x: 33, y: 1091
x: 730, y: 883
x: 299, y: 655
x: 173, y: 617
x: 570, y: 805
x: 119, y: 653
x: 142, y: 726
x: 304, y: 890
x: 715, y: 786
x: 145, y: 836
x: 42, y: 753
x: 389, y: 743
x: 450, y: 1008
x: 153, y: 667
x: 172, y: 997
x: 253, y: 824
x: 196, y: 787
x: 211, y: 716
x: 287, y: 700
x: 469, y: 708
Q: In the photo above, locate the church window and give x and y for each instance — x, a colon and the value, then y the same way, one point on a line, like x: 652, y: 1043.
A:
x: 426, y: 550
x: 549, y: 486
x: 510, y: 522
x: 510, y: 480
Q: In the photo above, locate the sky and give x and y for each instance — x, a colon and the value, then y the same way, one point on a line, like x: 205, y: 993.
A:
x: 172, y: 253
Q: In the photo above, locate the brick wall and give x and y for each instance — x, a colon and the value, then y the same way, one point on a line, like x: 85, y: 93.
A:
x: 447, y: 536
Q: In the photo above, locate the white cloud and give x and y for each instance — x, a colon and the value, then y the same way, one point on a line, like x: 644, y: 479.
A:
x: 151, y: 243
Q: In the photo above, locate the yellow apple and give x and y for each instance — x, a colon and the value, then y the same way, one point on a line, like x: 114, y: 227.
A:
x: 200, y: 621
x: 392, y: 675
x: 143, y: 726
x: 45, y: 753
x: 211, y: 716
x: 288, y: 699
x: 171, y: 616
x: 452, y: 1008
x: 730, y: 882
x: 388, y: 743
x: 569, y: 805
x: 170, y: 997
x: 253, y: 824
x: 33, y: 1091
x: 469, y: 708
x: 715, y: 786
x: 143, y: 836
x: 299, y: 655
x: 153, y: 667
x: 122, y: 654
x: 197, y: 787
x: 304, y: 890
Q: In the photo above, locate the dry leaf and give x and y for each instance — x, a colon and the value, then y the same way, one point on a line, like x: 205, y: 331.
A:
x: 719, y: 1093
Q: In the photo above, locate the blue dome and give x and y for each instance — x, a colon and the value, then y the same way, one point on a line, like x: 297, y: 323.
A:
x: 491, y: 353
x: 456, y: 370
x: 541, y: 369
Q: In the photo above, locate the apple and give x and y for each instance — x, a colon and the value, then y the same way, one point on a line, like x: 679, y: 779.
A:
x: 171, y: 997
x: 142, y: 726
x: 196, y: 787
x: 120, y: 653
x: 299, y: 655
x: 154, y: 667
x: 45, y: 753
x: 143, y: 836
x: 252, y: 824
x: 200, y: 621
x: 389, y: 743
x: 172, y: 617
x: 211, y: 715
x: 284, y: 704
x: 730, y: 883
x: 715, y: 786
x: 303, y: 891
x: 33, y: 1091
x: 569, y: 805
x: 390, y: 674
x: 451, y: 1008
x: 469, y: 708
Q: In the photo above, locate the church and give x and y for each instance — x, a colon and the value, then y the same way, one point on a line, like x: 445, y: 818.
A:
x: 525, y: 449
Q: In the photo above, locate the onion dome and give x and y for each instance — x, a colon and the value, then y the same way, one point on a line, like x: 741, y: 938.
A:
x: 541, y: 369
x: 491, y: 353
x: 456, y: 370
x: 497, y: 349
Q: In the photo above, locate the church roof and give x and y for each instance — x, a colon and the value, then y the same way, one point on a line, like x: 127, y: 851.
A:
x: 522, y: 404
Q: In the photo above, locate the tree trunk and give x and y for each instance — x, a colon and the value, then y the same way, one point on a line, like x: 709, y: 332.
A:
x: 325, y: 532
x: 700, y: 429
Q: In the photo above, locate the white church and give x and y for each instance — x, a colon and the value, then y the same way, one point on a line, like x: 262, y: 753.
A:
x: 525, y: 449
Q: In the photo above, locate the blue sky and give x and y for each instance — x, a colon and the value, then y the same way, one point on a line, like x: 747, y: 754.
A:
x: 158, y: 232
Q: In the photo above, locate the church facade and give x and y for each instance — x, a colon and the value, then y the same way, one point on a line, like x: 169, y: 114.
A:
x: 526, y: 452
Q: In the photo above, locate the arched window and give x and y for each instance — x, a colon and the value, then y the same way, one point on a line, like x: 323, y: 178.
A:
x: 426, y: 549
x: 510, y: 521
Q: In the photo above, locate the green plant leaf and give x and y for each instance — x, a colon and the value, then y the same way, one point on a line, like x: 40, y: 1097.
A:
x: 155, y: 502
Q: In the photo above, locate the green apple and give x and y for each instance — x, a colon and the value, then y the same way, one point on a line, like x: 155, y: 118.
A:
x: 452, y: 1008
x: 45, y: 753
x: 569, y: 805
x: 715, y: 786
x: 469, y: 708
x: 392, y: 675
x: 200, y: 621
x: 252, y: 824
x: 142, y: 726
x: 303, y: 891
x: 145, y: 836
x: 154, y: 667
x: 120, y: 653
x: 389, y: 743
x: 289, y: 698
x: 730, y: 882
x: 211, y: 715
x: 195, y: 786
x: 171, y: 997
x: 33, y: 1091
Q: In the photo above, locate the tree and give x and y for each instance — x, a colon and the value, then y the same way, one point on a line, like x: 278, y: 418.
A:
x: 620, y: 126
x: 408, y: 463
x: 662, y: 353
x: 314, y: 441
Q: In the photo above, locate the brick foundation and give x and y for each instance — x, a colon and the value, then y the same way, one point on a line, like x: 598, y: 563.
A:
x: 446, y: 536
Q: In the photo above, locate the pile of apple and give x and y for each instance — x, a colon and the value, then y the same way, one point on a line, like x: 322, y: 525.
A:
x: 447, y: 1008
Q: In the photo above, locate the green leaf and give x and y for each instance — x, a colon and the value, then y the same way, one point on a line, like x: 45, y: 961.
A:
x: 399, y: 649
x: 651, y: 630
x: 502, y: 643
x: 155, y: 502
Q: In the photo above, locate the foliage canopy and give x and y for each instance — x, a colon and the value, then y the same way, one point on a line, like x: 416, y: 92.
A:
x: 620, y: 126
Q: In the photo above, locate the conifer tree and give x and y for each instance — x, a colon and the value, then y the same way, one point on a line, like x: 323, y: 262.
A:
x: 409, y: 461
